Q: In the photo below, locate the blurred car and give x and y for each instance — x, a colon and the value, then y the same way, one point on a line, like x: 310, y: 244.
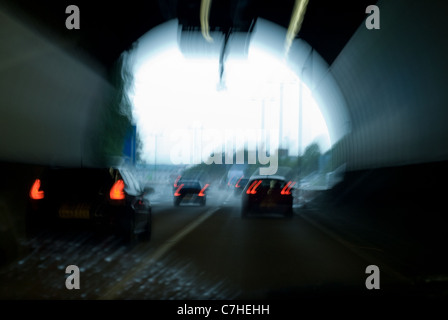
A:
x: 239, y: 185
x: 106, y: 198
x: 190, y: 192
x: 267, y: 194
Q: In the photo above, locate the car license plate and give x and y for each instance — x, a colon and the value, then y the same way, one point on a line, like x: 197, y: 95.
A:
x: 267, y: 203
x: 78, y: 211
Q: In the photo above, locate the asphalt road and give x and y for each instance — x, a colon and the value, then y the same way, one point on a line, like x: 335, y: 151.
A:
x: 197, y: 252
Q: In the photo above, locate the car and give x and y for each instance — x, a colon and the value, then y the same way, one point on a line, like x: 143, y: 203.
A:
x: 190, y: 192
x: 267, y: 194
x: 106, y: 198
x: 239, y: 185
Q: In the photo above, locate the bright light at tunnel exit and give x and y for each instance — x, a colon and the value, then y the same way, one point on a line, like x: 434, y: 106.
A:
x: 177, y: 94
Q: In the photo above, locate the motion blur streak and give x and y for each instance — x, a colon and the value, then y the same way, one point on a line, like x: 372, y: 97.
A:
x: 177, y: 191
x: 35, y: 192
x: 296, y: 22
x: 287, y: 188
x: 201, y: 193
x: 116, y: 192
x: 205, y: 12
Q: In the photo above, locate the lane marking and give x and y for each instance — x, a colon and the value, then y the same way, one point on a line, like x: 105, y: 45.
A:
x: 112, y: 292
x: 227, y: 200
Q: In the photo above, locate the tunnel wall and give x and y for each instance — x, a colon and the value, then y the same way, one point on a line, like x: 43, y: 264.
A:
x: 50, y: 98
x: 394, y: 83
x: 51, y: 101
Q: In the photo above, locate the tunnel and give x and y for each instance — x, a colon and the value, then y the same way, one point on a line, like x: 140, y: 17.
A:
x: 382, y: 95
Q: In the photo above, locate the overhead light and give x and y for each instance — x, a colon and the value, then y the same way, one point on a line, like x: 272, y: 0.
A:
x: 205, y: 13
x: 295, y: 24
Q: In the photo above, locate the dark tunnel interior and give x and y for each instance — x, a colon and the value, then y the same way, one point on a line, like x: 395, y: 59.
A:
x: 368, y: 189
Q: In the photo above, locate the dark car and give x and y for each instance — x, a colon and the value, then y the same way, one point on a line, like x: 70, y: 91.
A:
x: 190, y: 192
x: 267, y: 194
x: 107, y: 198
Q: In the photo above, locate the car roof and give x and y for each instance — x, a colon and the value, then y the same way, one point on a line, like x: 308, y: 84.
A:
x: 190, y: 181
x: 126, y: 174
x: 265, y: 177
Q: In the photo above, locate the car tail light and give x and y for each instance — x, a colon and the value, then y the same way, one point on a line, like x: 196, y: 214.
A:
x: 117, y: 190
x: 253, y: 187
x: 35, y: 192
x: 177, y: 180
x: 287, y: 188
x: 201, y: 193
x: 237, y: 185
x: 176, y: 194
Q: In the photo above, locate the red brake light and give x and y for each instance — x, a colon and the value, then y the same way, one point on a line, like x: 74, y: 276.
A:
x: 176, y: 194
x: 177, y: 180
x: 116, y: 192
x: 35, y: 193
x: 237, y: 185
x: 287, y: 189
x: 201, y: 193
x: 253, y: 187
x: 248, y: 191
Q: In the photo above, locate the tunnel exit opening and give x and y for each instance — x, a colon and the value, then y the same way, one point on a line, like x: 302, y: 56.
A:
x: 178, y: 87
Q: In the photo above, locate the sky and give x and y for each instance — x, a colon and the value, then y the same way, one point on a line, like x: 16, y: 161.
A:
x: 184, y: 113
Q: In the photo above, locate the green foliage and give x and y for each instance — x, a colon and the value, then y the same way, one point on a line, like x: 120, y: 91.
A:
x: 116, y: 119
x: 206, y: 171
x: 303, y: 166
x: 310, y: 160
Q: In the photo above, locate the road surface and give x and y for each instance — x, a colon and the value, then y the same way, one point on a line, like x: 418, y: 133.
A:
x: 198, y: 252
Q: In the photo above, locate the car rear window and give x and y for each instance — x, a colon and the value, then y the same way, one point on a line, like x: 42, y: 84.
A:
x: 270, y: 183
x: 192, y: 185
x: 79, y: 180
x: 79, y: 174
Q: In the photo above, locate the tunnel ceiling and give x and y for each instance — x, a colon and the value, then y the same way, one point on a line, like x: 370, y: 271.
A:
x: 109, y: 28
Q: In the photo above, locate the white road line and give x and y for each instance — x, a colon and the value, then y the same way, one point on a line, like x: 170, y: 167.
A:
x: 152, y: 258
x: 228, y: 199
